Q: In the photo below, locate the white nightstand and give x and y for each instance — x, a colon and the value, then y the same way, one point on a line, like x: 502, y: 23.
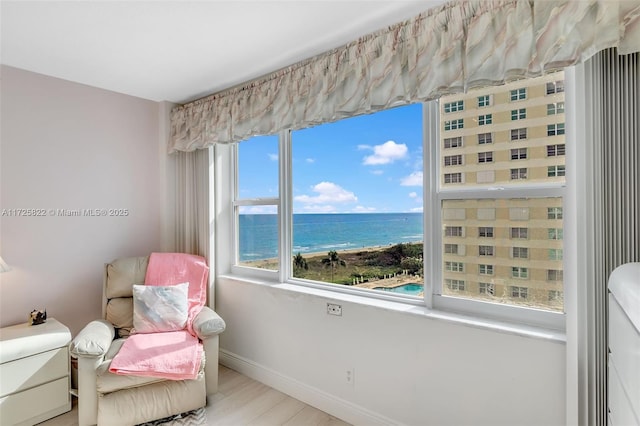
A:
x: 34, y: 372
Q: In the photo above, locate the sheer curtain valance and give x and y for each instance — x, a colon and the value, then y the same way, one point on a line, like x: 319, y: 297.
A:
x: 460, y: 45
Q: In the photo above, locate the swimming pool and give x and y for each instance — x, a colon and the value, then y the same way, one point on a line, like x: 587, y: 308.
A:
x: 411, y: 288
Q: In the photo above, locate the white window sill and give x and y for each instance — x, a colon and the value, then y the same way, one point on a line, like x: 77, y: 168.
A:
x: 412, y: 309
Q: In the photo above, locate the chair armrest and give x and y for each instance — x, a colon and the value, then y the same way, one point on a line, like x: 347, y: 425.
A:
x: 208, y: 323
x: 93, y: 340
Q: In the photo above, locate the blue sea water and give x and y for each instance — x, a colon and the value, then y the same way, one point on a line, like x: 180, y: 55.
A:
x: 320, y: 233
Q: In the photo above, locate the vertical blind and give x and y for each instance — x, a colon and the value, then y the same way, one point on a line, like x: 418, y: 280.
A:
x: 614, y: 83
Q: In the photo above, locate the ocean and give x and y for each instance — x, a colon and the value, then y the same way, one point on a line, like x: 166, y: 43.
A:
x: 321, y: 233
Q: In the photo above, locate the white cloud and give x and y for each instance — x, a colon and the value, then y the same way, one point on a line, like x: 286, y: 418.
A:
x: 413, y: 194
x: 328, y: 192
x: 319, y: 209
x: 310, y: 160
x: 377, y: 172
x: 362, y: 209
x: 416, y: 210
x: 386, y: 153
x: 414, y: 179
x: 260, y: 210
x: 273, y: 157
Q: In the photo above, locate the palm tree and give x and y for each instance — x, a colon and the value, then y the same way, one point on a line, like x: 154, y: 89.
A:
x: 300, y: 262
x: 333, y: 260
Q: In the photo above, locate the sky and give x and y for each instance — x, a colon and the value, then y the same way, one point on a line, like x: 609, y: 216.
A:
x: 366, y: 164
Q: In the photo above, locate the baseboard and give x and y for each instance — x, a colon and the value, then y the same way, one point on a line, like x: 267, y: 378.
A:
x: 324, y: 401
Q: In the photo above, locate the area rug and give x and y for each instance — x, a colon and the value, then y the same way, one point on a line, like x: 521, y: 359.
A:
x: 191, y: 418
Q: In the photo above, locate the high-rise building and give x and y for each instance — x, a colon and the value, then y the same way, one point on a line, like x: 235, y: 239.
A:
x: 508, y: 250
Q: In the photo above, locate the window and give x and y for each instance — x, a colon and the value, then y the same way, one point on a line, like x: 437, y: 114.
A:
x: 555, y: 87
x: 453, y: 160
x: 519, y: 292
x: 555, y: 295
x: 555, y: 233
x: 520, y: 233
x: 518, y: 134
x: 554, y: 275
x: 485, y: 119
x: 520, y: 252
x: 519, y: 173
x: 518, y: 114
x: 485, y: 250
x: 454, y: 266
x: 555, y: 254
x: 485, y: 269
x: 452, y: 177
x: 256, y: 204
x: 519, y: 154
x: 454, y: 106
x: 486, y: 288
x: 485, y: 232
x: 519, y: 272
x: 555, y: 129
x: 555, y: 108
x: 485, y: 157
x: 485, y: 138
x: 554, y: 213
x: 451, y: 249
x: 555, y: 171
x: 519, y: 94
x: 484, y: 101
x: 453, y: 142
x: 454, y: 124
x: 555, y: 150
x: 455, y: 285
x: 453, y: 231
x: 485, y: 176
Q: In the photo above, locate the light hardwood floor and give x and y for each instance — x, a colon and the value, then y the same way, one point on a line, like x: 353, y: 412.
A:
x: 241, y: 401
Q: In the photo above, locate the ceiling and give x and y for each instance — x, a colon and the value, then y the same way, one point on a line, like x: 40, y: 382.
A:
x: 182, y: 50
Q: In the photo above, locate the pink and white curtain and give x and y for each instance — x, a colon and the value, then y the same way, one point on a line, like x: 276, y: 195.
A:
x: 448, y: 49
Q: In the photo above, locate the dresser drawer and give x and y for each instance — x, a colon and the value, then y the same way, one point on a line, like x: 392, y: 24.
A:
x: 34, y: 370
x: 36, y: 404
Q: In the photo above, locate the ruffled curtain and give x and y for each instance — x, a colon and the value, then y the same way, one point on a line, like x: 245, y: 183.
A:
x: 449, y: 49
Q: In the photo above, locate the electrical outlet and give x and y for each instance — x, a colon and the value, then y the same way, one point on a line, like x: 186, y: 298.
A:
x: 350, y: 376
x: 334, y: 309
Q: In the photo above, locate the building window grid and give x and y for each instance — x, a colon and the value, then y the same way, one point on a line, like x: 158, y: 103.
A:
x: 483, y: 120
x: 519, y: 272
x: 519, y: 173
x: 454, y: 266
x: 454, y: 106
x: 554, y: 213
x: 454, y: 124
x: 555, y: 87
x: 518, y: 134
x: 456, y: 285
x: 555, y: 129
x: 556, y: 150
x: 519, y: 154
x: 451, y: 249
x: 485, y: 157
x: 520, y: 252
x: 556, y: 171
x: 519, y: 94
x: 486, y: 288
x: 453, y: 142
x: 555, y: 254
x: 485, y: 231
x: 518, y: 114
x: 485, y: 138
x: 555, y: 295
x: 453, y: 231
x: 555, y: 108
x: 554, y: 275
x: 485, y: 250
x: 519, y: 292
x: 484, y: 101
x: 519, y: 233
x: 485, y: 269
x: 453, y: 160
x: 555, y: 233
x: 453, y: 178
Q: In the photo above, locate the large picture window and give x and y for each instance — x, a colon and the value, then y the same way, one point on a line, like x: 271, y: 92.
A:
x: 340, y: 204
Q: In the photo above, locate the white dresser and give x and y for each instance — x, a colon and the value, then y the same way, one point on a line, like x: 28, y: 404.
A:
x: 34, y: 372
x: 624, y: 346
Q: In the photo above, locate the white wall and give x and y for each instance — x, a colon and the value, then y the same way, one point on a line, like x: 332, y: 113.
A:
x: 409, y: 369
x: 70, y: 146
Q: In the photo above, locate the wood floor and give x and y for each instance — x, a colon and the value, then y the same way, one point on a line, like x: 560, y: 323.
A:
x: 241, y: 401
